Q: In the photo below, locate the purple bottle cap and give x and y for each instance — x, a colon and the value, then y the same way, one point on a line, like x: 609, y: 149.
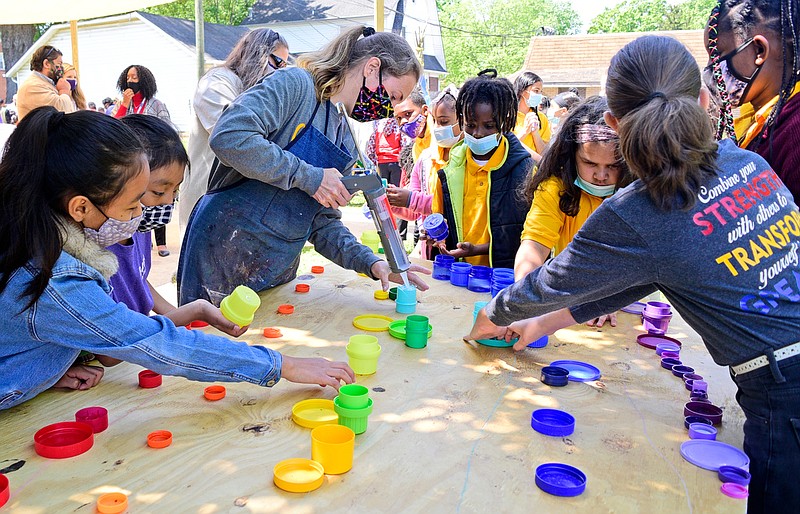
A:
x: 634, y: 308
x: 670, y: 355
x: 700, y: 386
x: 701, y: 399
x: 668, y: 362
x: 552, y: 422
x: 713, y: 454
x: 705, y: 410
x: 667, y: 346
x: 733, y: 474
x: 734, y: 490
x: 652, y: 340
x: 560, y: 479
x: 702, y: 431
x: 689, y: 420
x: 692, y: 376
x: 680, y: 371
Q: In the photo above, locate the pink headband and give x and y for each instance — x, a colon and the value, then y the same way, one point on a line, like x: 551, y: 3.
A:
x: 594, y: 133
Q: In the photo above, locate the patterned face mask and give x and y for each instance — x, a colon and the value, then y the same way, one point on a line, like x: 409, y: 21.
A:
x: 155, y: 216
x: 373, y: 105
x: 112, y: 230
x: 412, y: 128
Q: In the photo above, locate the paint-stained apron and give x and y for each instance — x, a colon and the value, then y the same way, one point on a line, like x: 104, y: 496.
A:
x: 250, y: 232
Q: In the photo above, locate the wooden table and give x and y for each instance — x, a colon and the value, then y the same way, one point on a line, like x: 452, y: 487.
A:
x: 450, y: 430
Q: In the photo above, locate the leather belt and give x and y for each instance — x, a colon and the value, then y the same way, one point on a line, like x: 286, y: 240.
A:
x: 760, y: 362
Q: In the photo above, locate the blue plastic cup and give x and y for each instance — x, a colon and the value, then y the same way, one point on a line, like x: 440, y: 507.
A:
x: 436, y: 227
x: 459, y: 273
x: 406, y: 301
x: 480, y: 279
x: 501, y: 281
x: 441, y: 266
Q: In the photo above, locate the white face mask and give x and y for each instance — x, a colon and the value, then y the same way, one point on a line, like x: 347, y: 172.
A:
x: 444, y: 136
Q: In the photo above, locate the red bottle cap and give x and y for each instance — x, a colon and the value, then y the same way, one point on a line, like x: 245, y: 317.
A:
x: 272, y: 333
x: 285, y: 309
x: 5, y: 490
x: 159, y: 439
x: 95, y: 417
x: 149, y: 379
x: 63, y: 440
x: 198, y: 324
x: 317, y: 269
x: 214, y: 393
x: 302, y: 288
x: 112, y: 503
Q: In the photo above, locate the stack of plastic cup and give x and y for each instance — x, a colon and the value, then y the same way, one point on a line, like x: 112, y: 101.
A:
x: 441, y: 266
x: 436, y: 227
x: 240, y: 306
x: 480, y: 279
x: 501, y: 279
x: 417, y: 331
x: 353, y: 405
x: 363, y: 353
x: 371, y: 239
x: 406, y: 301
x: 459, y: 273
x: 656, y: 317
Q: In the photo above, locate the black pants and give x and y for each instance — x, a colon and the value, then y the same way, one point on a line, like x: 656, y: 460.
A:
x: 161, y: 235
x: 393, y: 174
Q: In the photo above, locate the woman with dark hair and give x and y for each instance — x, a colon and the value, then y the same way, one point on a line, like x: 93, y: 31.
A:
x: 283, y: 149
x: 677, y: 229
x: 70, y: 186
x: 532, y: 127
x: 754, y: 64
x: 138, y: 87
x: 256, y: 56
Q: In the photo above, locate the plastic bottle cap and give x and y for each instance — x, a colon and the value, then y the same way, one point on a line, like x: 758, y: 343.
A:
x: 552, y: 422
x: 318, y: 269
x: 302, y: 288
x: 734, y: 490
x: 314, y: 412
x: 272, y: 333
x: 63, y: 440
x: 95, y: 417
x: 198, y: 324
x: 149, y: 379
x: 298, y: 475
x: 372, y: 322
x: 112, y: 503
x: 381, y: 295
x: 5, y: 490
x: 285, y: 309
x: 214, y: 393
x: 560, y: 479
x: 733, y: 474
x: 159, y: 439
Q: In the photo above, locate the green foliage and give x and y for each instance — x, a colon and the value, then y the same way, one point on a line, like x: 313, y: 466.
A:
x: 475, y: 45
x: 227, y: 12
x: 649, y: 15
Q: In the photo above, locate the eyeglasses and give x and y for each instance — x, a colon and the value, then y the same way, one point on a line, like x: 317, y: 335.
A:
x: 279, y: 63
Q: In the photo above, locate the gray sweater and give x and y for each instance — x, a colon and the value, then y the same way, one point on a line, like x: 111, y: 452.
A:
x: 728, y: 265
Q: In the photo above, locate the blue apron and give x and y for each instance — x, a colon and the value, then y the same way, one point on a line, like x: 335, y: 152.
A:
x: 250, y: 232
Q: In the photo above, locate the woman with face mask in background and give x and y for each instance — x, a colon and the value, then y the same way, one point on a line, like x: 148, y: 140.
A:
x: 71, y: 76
x: 754, y: 62
x: 532, y: 127
x: 285, y: 147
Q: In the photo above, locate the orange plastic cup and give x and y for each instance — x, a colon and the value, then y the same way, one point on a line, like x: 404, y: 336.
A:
x: 112, y: 503
x: 333, y: 447
x: 214, y: 393
x: 159, y: 439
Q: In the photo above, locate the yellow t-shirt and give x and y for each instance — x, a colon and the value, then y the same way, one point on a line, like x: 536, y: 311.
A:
x: 422, y: 143
x: 547, y: 224
x: 544, y: 130
x: 750, y: 122
x: 476, y: 209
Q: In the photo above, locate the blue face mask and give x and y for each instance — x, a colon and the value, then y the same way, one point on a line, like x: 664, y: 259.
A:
x: 534, y: 99
x: 595, y: 190
x: 483, y: 145
x: 444, y: 136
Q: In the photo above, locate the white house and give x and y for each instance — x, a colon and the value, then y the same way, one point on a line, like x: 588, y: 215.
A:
x: 308, y: 25
x: 106, y: 46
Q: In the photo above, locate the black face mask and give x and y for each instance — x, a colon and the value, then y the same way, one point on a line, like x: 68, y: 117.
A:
x: 134, y: 86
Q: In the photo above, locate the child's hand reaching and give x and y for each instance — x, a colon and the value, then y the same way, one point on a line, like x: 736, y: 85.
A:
x: 80, y: 377
x: 398, y: 197
x: 464, y: 249
x: 316, y: 371
x: 202, y: 310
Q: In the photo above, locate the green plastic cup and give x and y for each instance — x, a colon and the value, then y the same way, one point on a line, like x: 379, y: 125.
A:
x: 416, y: 339
x: 354, y: 419
x: 417, y: 323
x: 363, y: 343
x: 240, y: 306
x: 393, y: 293
x: 353, y: 396
x: 363, y: 362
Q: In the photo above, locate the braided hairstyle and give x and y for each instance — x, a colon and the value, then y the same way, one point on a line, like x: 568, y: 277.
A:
x: 781, y: 17
x: 486, y: 88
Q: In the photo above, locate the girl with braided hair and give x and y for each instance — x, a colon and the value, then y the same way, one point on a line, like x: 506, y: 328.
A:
x: 754, y: 64
x: 477, y: 191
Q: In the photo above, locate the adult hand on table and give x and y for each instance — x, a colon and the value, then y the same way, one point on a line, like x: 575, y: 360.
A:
x: 316, y: 371
x: 527, y: 330
x: 485, y: 329
x: 331, y: 192
x: 598, y: 322
x: 383, y: 272
x: 80, y: 377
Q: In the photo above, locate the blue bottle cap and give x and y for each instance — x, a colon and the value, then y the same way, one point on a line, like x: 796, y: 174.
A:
x: 555, y: 376
x: 560, y: 479
x: 540, y: 343
x: 552, y: 422
x: 733, y: 474
x: 578, y: 371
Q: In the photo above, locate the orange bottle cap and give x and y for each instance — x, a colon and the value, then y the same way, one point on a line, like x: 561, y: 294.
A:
x: 112, y: 503
x: 272, y: 333
x: 159, y: 439
x: 317, y: 269
x: 214, y: 393
x: 302, y: 288
x: 285, y: 309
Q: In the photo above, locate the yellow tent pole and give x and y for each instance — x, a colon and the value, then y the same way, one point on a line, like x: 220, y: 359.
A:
x: 73, y: 32
x: 379, y: 15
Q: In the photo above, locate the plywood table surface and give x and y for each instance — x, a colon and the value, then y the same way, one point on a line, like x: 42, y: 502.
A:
x: 450, y: 430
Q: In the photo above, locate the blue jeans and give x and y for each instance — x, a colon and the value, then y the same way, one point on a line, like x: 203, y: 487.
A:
x: 770, y: 399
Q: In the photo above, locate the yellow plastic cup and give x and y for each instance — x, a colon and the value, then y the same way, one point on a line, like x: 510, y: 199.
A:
x: 333, y: 446
x: 240, y: 306
x: 363, y: 343
x: 371, y: 239
x: 363, y: 362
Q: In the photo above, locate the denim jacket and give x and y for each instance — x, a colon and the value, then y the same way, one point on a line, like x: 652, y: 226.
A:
x: 76, y: 312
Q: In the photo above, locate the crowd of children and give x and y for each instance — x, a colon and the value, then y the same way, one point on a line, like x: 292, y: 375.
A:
x: 594, y: 203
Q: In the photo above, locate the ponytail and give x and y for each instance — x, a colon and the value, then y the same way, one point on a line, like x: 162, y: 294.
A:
x: 330, y: 66
x: 49, y: 158
x: 665, y: 136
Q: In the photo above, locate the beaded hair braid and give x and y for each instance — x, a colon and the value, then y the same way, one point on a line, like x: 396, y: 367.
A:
x: 725, y: 121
